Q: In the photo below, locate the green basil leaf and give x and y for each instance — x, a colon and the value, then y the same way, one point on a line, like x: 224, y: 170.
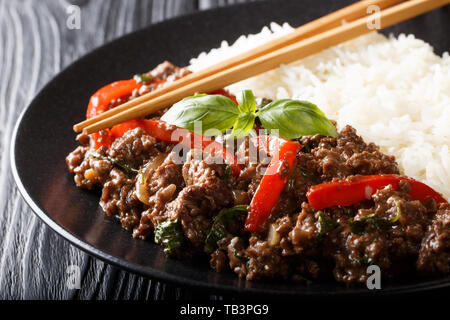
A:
x: 372, y: 222
x: 170, y: 234
x: 219, y: 227
x: 214, y: 111
x: 243, y: 125
x: 295, y: 118
x: 142, y: 78
x: 121, y: 163
x: 325, y: 223
x: 246, y: 101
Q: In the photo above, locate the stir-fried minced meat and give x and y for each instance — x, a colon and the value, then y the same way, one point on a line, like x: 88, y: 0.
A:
x: 149, y: 185
x: 211, y: 174
x: 161, y: 186
x: 328, y: 158
x: 134, y: 147
x: 434, y: 254
x: 119, y: 199
x: 194, y: 210
x: 206, y: 192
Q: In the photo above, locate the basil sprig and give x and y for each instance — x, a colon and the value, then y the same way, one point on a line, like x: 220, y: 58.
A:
x: 290, y: 118
x: 246, y: 120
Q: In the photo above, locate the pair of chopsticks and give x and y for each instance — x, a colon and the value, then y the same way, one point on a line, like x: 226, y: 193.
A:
x: 308, y: 39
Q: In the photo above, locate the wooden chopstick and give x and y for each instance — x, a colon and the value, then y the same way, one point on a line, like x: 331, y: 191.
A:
x: 332, y: 20
x: 272, y: 60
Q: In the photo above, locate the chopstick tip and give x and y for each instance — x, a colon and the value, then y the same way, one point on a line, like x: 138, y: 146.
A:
x: 76, y: 128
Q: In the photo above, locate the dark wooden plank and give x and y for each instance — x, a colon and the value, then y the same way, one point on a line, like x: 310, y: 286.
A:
x: 35, y: 44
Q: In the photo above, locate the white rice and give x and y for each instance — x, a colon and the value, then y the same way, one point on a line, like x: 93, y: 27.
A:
x: 394, y: 91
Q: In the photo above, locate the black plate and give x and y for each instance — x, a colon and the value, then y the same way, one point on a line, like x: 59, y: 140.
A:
x: 43, y: 137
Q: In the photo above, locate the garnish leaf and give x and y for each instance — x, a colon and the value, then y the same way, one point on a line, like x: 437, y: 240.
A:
x: 365, y: 261
x: 214, y: 112
x: 117, y: 162
x: 246, y: 120
x: 308, y: 174
x: 169, y: 234
x: 243, y: 258
x: 295, y: 118
x: 290, y: 118
x: 219, y: 228
x: 325, y: 223
x: 244, y: 124
x: 247, y: 103
x: 372, y: 221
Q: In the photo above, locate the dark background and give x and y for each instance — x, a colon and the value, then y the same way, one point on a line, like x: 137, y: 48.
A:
x: 35, y: 44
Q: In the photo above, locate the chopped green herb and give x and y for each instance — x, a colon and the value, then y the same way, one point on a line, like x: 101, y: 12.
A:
x: 143, y: 78
x: 170, y: 234
x: 399, y: 213
x: 365, y: 261
x: 308, y: 174
x: 117, y: 162
x: 372, y: 221
x: 325, y: 223
x: 227, y: 173
x: 243, y: 258
x: 219, y: 228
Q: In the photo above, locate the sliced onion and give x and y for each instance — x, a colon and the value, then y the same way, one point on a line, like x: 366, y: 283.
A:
x: 142, y: 191
x: 156, y: 161
x: 167, y: 193
x: 273, y: 238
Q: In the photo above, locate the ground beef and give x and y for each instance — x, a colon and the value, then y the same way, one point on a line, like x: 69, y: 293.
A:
x: 346, y: 155
x: 265, y: 261
x: 134, y: 147
x: 119, y: 199
x: 211, y: 174
x: 230, y: 254
x: 194, y: 210
x: 385, y: 246
x: 161, y: 186
x: 169, y: 72
x: 206, y: 192
x: 292, y: 243
x: 253, y: 170
x: 165, y: 71
x: 434, y: 255
x: 89, y: 172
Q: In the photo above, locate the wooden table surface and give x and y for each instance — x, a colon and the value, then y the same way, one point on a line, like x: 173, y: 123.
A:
x: 35, y: 44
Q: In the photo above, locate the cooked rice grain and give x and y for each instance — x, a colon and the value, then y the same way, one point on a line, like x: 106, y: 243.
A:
x: 394, y: 91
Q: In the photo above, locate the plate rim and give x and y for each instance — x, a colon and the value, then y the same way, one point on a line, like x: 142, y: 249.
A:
x: 150, y: 272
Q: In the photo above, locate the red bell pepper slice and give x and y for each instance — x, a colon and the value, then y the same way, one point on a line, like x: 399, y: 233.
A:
x: 351, y: 191
x: 274, y: 180
x: 173, y: 134
x: 100, y: 102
